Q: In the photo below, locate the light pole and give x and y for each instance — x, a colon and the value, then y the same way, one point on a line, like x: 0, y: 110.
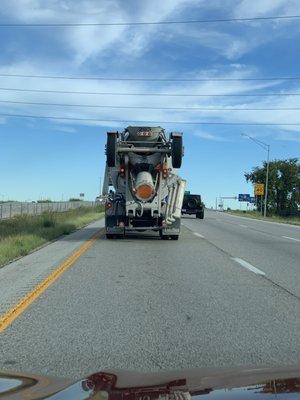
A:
x: 266, y: 147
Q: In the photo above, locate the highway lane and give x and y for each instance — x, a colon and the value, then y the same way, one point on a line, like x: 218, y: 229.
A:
x: 276, y: 229
x: 146, y: 304
x: 271, y: 247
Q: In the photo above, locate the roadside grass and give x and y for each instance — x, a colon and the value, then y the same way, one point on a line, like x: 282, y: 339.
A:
x: 273, y: 218
x: 22, y: 234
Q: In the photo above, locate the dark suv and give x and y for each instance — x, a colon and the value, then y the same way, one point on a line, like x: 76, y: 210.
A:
x: 192, y: 204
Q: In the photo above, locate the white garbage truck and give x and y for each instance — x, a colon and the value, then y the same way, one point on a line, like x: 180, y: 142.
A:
x: 142, y: 188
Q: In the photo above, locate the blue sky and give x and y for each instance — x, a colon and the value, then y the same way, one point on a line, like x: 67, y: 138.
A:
x: 59, y: 159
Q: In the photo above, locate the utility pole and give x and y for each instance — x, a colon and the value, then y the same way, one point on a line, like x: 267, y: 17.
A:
x: 267, y: 179
x: 266, y: 147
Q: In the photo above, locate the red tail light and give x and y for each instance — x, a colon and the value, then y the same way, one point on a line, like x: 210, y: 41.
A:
x: 108, y: 205
x: 122, y: 170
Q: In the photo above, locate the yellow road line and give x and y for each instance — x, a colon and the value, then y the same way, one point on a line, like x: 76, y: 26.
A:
x: 9, y: 317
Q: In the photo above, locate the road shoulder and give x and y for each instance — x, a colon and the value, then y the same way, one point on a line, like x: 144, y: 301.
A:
x: 21, y: 276
x: 260, y: 220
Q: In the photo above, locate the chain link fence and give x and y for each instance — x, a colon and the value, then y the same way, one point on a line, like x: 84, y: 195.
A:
x: 9, y: 210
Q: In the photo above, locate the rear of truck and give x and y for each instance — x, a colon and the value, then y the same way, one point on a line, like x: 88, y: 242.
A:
x: 141, y: 184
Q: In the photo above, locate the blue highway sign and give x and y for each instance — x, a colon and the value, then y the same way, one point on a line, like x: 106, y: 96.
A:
x: 244, y: 197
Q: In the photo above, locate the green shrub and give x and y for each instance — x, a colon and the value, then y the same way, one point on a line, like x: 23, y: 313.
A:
x: 22, y: 234
x: 48, y: 220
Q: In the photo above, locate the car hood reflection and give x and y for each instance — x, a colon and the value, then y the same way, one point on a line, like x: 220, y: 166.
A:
x: 195, y: 384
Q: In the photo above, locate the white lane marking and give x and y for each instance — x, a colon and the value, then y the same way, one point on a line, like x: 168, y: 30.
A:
x: 287, y: 237
x: 243, y: 226
x: 250, y: 267
x: 198, y: 234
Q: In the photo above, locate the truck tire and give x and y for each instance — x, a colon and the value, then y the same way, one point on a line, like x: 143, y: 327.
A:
x: 177, y: 151
x: 162, y: 236
x: 111, y: 149
x: 120, y: 235
x: 192, y: 203
x: 167, y: 237
x: 109, y: 236
x: 200, y: 215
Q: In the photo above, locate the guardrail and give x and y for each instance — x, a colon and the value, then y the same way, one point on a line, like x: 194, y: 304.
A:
x: 9, y: 210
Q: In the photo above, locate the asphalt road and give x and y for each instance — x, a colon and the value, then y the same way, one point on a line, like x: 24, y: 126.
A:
x: 226, y: 294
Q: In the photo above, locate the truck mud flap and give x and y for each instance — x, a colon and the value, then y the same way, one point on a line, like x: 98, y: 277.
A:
x: 112, y: 226
x: 171, y: 231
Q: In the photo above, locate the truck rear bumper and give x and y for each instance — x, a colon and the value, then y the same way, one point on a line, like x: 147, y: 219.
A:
x: 190, y: 212
x: 119, y: 225
x: 114, y: 230
x: 142, y: 228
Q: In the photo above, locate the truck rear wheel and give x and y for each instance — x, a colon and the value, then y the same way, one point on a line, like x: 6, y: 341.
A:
x: 174, y: 237
x: 111, y: 149
x: 162, y: 236
x: 200, y: 215
x: 167, y: 237
x: 177, y: 151
x: 120, y: 235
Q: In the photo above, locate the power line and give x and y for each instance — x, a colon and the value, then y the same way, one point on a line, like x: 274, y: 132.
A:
x: 103, y: 78
x: 149, y: 121
x: 149, y: 94
x: 175, y: 22
x: 150, y: 107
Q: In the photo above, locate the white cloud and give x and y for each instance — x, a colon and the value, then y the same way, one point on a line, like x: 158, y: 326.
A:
x: 88, y: 42
x: 252, y: 8
x: 106, y: 114
x: 96, y: 46
x: 223, y: 43
x: 110, y: 43
x: 67, y: 129
x: 84, y: 42
x: 235, y: 40
x: 210, y: 136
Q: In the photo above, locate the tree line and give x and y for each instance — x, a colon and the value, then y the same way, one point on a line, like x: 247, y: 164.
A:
x: 283, y: 187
